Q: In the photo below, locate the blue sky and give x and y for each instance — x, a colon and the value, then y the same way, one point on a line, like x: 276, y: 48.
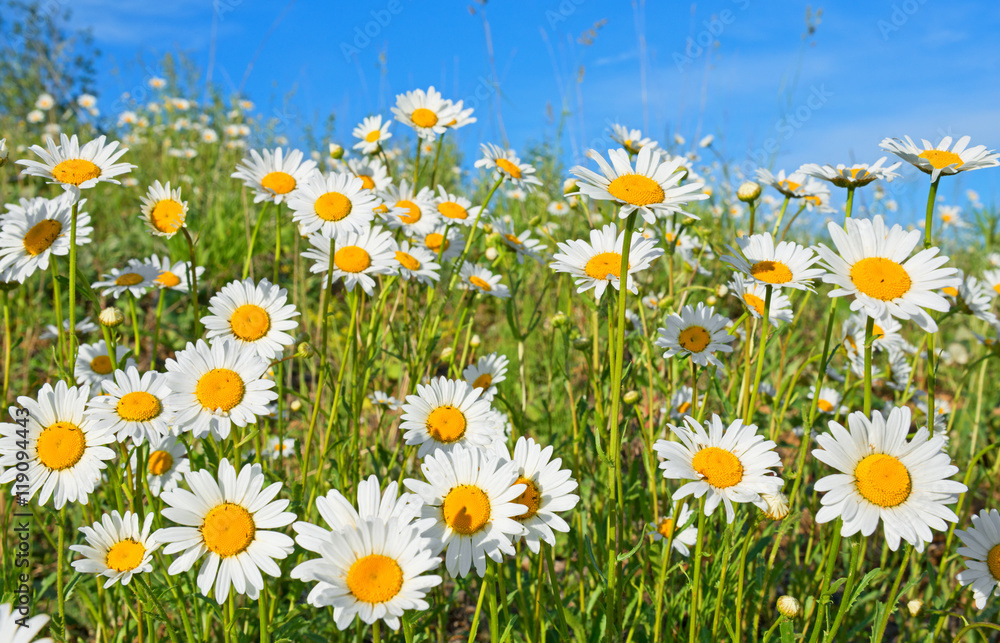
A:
x: 738, y: 69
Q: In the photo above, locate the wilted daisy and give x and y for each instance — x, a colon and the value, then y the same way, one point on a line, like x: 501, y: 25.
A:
x: 598, y: 263
x: 486, y: 373
x: 785, y: 265
x: 36, y: 229
x: 852, y: 176
x: 426, y: 112
x: 172, y: 275
x: 417, y: 263
x: 255, y: 315
x: 357, y: 256
x: 15, y: 628
x: 754, y: 297
x: 117, y: 548
x: 522, y: 244
x: 333, y: 203
x: 83, y: 327
x: 163, y: 210
x: 870, y: 266
x: 229, y: 518
x: 93, y: 365
x: 982, y: 553
x: 273, y: 175
x: 481, y: 280
x: 469, y: 506
x: 445, y: 414
x: 697, y: 332
x: 371, y: 134
x: 456, y: 209
x: 943, y: 158
x: 507, y: 165
x: 885, y: 477
x: 135, y: 279
x: 829, y: 400
x: 729, y: 464
x: 683, y: 539
x: 75, y: 167
x: 166, y: 465
x: 413, y: 212
x: 132, y: 406
x: 65, y: 452
x: 652, y: 188
x: 218, y: 385
x: 631, y: 139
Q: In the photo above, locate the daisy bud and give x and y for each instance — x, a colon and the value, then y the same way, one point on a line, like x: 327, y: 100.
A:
x: 295, y: 405
x: 665, y: 303
x: 336, y: 151
x: 631, y: 397
x: 534, y: 221
x: 789, y: 607
x: 111, y: 317
x: 304, y: 350
x: 570, y: 186
x: 559, y: 320
x: 722, y: 290
x: 748, y: 192
x: 447, y: 354
x: 3, y: 152
x: 581, y: 343
x: 915, y: 606
x: 491, y: 254
x: 475, y: 341
x: 777, y: 505
x: 705, y: 142
x: 712, y: 300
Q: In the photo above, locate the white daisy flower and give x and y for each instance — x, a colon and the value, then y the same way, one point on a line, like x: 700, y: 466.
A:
x: 462, y: 117
x: 829, y: 400
x: 136, y: 279
x: 971, y: 298
x: 133, y: 406
x: 278, y: 448
x: 426, y: 112
x: 852, y: 176
x: 163, y: 210
x: 45, y: 101
x: 93, y: 365
x: 381, y: 398
x: 445, y: 414
x: 558, y: 208
x: 218, y: 385
x: 166, y: 465
x: 15, y: 627
x: 982, y: 553
x: 681, y: 402
x: 683, y: 539
x: 796, y: 185
x: 357, y: 257
x: 65, y: 452
x: 944, y: 158
x: 991, y: 280
x: 83, y: 327
x: 77, y: 168
x: 229, y: 518
x: 171, y: 275
x: 454, y: 209
x: 951, y: 216
x: 481, y: 280
x: 753, y: 295
x: 653, y: 188
x: 522, y: 244
x: 886, y: 334
x: 333, y: 203
x: 486, y: 373
x: 885, y: 477
x: 413, y: 212
x: 417, y: 263
x: 275, y: 174
x: 254, y: 315
x: 507, y: 165
x: 117, y: 548
x: 898, y: 371
x: 35, y: 230
x: 444, y: 242
x: 631, y: 139
x: 469, y: 507
x: 598, y: 263
x: 371, y: 134
x: 697, y: 332
x: 786, y: 264
x: 870, y: 267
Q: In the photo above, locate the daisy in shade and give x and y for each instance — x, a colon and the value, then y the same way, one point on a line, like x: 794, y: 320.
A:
x: 469, y: 507
x: 829, y: 400
x: 598, y: 263
x: 785, y: 265
x: 372, y: 173
x: 897, y: 371
x: 886, y: 334
x: 65, y: 452
x: 548, y: 491
x: 697, y: 332
x: 481, y: 280
x: 870, y: 266
x: 652, y: 188
x: 486, y: 373
x: 754, y: 296
x: 885, y: 477
x: 333, y: 203
x: 982, y: 553
x: 35, y: 230
x: 446, y: 414
x: 172, y: 275
x: 357, y: 257
x: 681, y: 400
x: 683, y: 539
x: 456, y: 209
x: 729, y: 464
x: 943, y: 158
x: 631, y: 139
x: 228, y: 519
x: 852, y: 176
x: 77, y: 168
x: 93, y: 365
x: 425, y: 111
x: 163, y: 210
x: 255, y: 315
x: 506, y: 165
x: 417, y: 263
x: 522, y: 244
x: 133, y: 406
x: 218, y: 385
x: 413, y: 212
x: 83, y: 327
x: 371, y: 134
x: 167, y: 463
x: 117, y: 548
x: 135, y: 279
x: 444, y: 242
x: 273, y: 175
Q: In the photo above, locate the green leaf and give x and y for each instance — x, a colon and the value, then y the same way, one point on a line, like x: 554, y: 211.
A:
x: 628, y: 555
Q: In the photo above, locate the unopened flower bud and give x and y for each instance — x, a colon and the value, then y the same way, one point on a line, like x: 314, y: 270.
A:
x: 304, y: 350
x: 295, y: 405
x: 631, y: 397
x: 559, y: 320
x: 475, y: 341
x: 111, y: 317
x: 534, y: 221
x: 712, y: 300
x: 789, y: 607
x: 705, y: 142
x: 581, y: 343
x: 570, y: 186
x: 336, y: 151
x: 447, y: 354
x: 777, y: 505
x: 915, y: 606
x: 722, y: 290
x: 748, y: 192
x: 491, y: 254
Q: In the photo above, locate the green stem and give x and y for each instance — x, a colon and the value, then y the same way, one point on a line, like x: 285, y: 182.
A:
x: 474, y: 628
x: 852, y: 575
x: 156, y: 328
x: 753, y: 215
x: 71, y: 340
x: 437, y: 155
x: 61, y: 332
x: 6, y: 345
x: 135, y: 326
x: 781, y: 215
x: 765, y: 322
x: 193, y: 280
x: 869, y: 331
x: 60, y: 564
x: 695, y: 592
x: 890, y: 608
x: 416, y: 166
x: 494, y: 617
x: 929, y: 220
x: 850, y: 202
x: 277, y: 242
x: 253, y: 241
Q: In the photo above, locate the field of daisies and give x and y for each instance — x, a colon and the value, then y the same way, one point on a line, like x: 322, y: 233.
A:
x: 379, y: 392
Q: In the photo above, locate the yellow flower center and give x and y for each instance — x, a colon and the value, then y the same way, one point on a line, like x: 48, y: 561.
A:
x: 480, y: 283
x: 41, y: 236
x: 996, y: 289
x: 721, y: 468
x: 789, y: 186
x: 825, y: 406
x: 513, y: 239
x: 332, y: 206
x: 636, y: 189
x: 466, y: 509
x: 694, y: 339
x: 278, y: 182
x: 125, y: 555
x: 951, y: 291
x: 167, y: 216
x: 228, y: 530
x: 877, y: 332
x: 367, y: 182
x: 880, y: 278
x: 128, y: 279
x: 250, y: 322
x: 684, y: 408
x: 666, y: 527
x: 75, y: 171
x: 883, y: 480
x: 220, y: 388
x: 101, y: 365
x: 375, y: 578
x: 452, y: 210
x: 435, y: 240
x: 531, y: 498
x: 603, y: 264
x: 484, y: 381
x: 413, y: 213
x: 423, y: 117
x: 993, y: 561
x: 772, y: 272
x: 60, y: 445
x: 160, y: 462
x: 754, y: 302
x: 168, y: 279
x: 941, y: 158
x: 138, y: 406
x: 446, y: 424
x: 373, y: 136
x: 408, y: 261
x: 508, y: 167
x: 352, y: 259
